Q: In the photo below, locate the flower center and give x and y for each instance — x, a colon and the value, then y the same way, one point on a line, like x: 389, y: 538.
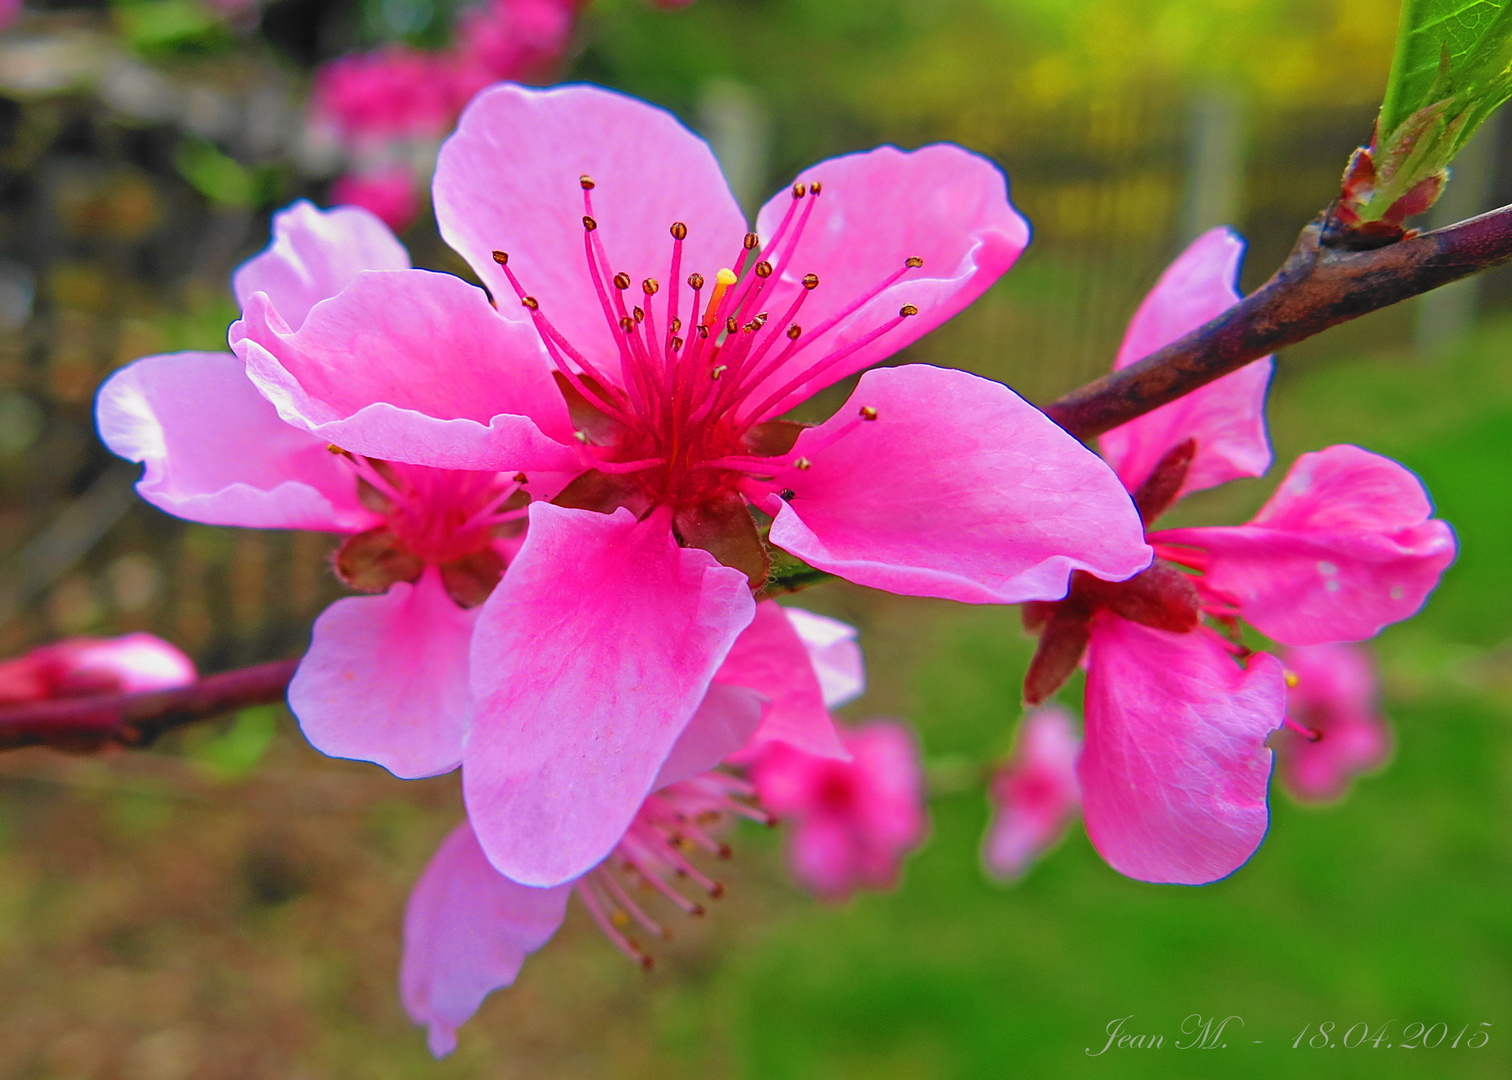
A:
x: 681, y: 416
x: 447, y: 518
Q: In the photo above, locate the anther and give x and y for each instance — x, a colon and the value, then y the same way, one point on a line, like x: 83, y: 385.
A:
x: 913, y: 262
x: 627, y: 324
x: 787, y: 494
x: 581, y: 436
x: 1292, y: 678
x: 675, y: 325
x: 731, y: 325
x: 793, y: 332
x: 800, y: 190
x: 763, y: 269
x: 703, y: 331
x: 521, y: 478
x: 589, y: 223
x: 531, y: 302
x: 868, y: 413
x: 752, y: 242
x: 621, y: 281
x: 814, y: 186
x: 695, y: 281
x: 803, y: 464
x: 586, y: 181
x: 649, y: 286
x: 501, y: 257
x: 907, y: 311
x: 718, y: 371
x: 639, y: 313
x: 334, y: 449
x: 810, y: 281
x: 679, y: 231
x: 677, y: 343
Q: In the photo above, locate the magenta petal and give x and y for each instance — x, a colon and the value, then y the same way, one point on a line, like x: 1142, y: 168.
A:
x: 588, y: 661
x: 771, y: 658
x: 1036, y: 794
x: 508, y: 180
x: 959, y: 489
x: 216, y: 451
x: 1335, y: 694
x: 725, y: 721
x: 314, y: 255
x: 878, y: 209
x: 835, y: 654
x: 1344, y: 547
x: 467, y: 931
x: 385, y: 679
x: 1226, y: 417
x: 1174, y: 767
x: 411, y: 366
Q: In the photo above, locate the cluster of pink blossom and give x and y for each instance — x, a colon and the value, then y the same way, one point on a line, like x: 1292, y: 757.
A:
x: 1173, y: 773
x: 388, y: 109
x: 561, y: 495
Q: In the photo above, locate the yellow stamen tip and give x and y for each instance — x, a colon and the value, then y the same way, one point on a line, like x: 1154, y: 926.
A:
x: 1292, y: 679
x: 725, y: 277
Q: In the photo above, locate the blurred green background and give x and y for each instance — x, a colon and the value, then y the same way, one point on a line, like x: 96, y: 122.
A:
x: 228, y: 904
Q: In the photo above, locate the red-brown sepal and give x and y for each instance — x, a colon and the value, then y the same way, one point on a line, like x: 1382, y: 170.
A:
x: 725, y: 529
x: 1061, y: 645
x: 372, y: 561
x: 471, y: 578
x: 1161, y: 487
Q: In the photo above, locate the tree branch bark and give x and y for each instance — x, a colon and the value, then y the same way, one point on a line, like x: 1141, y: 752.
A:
x: 1317, y: 287
x: 87, y: 724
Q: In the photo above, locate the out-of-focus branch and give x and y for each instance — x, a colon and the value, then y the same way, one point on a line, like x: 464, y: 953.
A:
x: 87, y: 724
x: 1317, y: 287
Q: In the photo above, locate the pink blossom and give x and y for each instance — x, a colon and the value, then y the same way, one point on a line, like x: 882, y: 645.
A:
x: 386, y: 678
x: 651, y: 435
x: 393, y: 93
x: 82, y: 667
x: 1335, y: 728
x: 1035, y: 795
x: 391, y: 193
x: 853, y: 821
x: 1175, y: 765
x: 468, y: 928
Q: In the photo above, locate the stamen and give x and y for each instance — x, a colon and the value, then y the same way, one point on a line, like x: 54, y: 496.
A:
x: 1310, y: 734
x: 606, y: 924
x: 586, y: 182
x: 589, y: 223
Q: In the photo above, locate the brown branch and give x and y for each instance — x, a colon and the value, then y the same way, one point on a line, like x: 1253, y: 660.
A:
x: 1317, y: 287
x: 91, y: 723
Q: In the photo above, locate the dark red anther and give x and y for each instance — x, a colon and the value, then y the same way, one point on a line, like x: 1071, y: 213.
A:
x: 763, y: 269
x: 695, y: 281
x: 810, y: 281
x: 589, y: 223
x: 501, y: 257
x: 679, y: 231
x: 621, y: 281
x: 586, y: 182
x: 752, y: 241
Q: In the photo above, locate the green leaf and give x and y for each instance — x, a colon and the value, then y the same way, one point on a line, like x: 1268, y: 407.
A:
x: 236, y: 751
x: 1449, y: 48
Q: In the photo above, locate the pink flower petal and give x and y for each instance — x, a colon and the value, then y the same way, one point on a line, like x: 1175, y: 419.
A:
x: 314, y: 255
x: 770, y: 658
x: 959, y: 489
x: 725, y: 721
x: 508, y: 180
x: 836, y: 657
x: 79, y: 667
x: 1335, y: 695
x: 588, y: 661
x: 878, y: 209
x: 1174, y: 767
x: 411, y: 366
x: 1344, y: 547
x: 1035, y: 796
x: 467, y: 931
x: 385, y: 679
x: 216, y: 450
x: 1226, y: 417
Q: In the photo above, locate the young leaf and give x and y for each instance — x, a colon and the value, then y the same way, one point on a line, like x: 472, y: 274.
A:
x: 1438, y: 38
